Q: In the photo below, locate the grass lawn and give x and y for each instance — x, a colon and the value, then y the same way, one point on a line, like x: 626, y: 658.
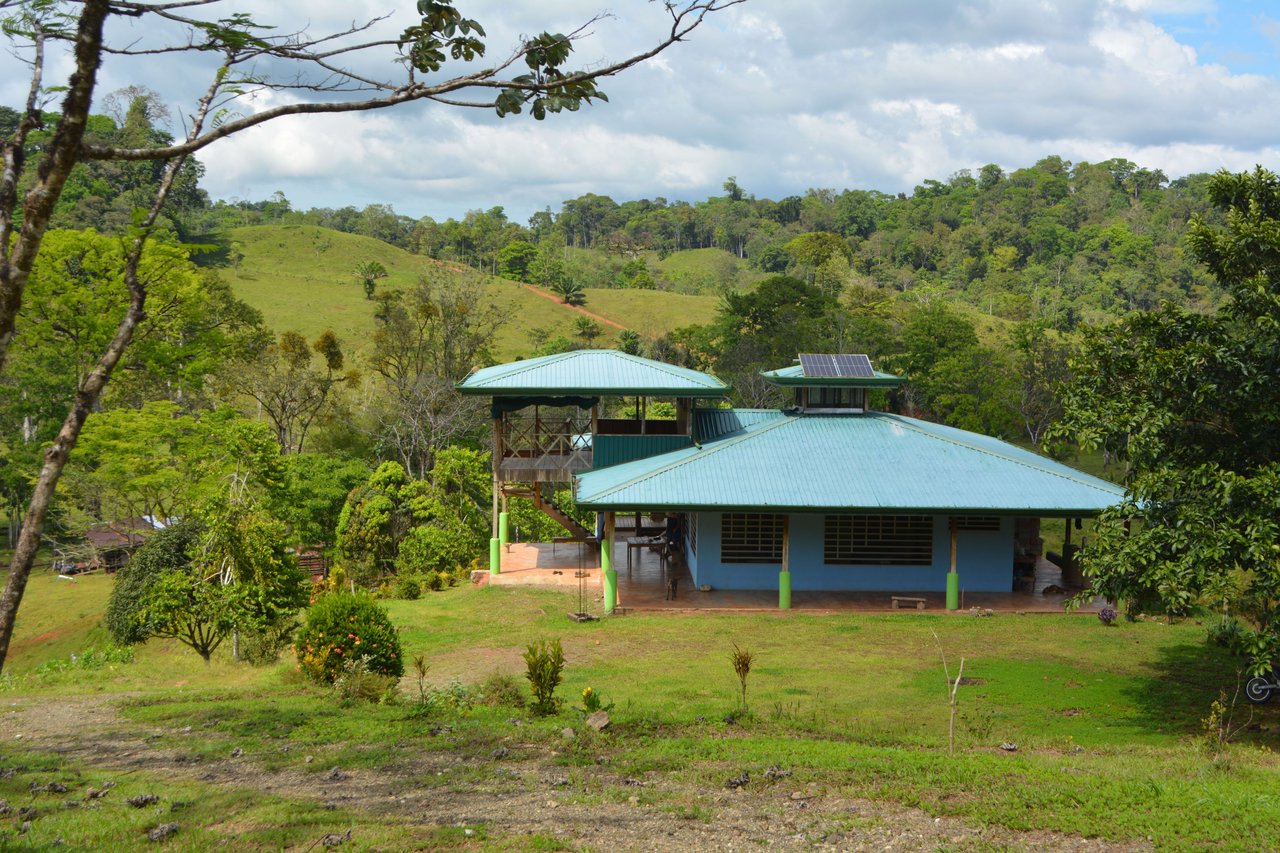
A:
x: 1107, y: 721
x: 301, y: 278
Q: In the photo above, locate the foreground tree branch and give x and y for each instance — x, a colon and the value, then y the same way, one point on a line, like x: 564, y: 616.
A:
x: 442, y: 35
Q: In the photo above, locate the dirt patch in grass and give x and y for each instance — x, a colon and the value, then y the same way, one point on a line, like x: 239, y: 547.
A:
x: 526, y: 791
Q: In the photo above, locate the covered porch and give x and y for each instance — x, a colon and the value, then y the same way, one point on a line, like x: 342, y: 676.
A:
x: 644, y: 586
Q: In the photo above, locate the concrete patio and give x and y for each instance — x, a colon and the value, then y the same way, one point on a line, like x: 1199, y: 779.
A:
x: 644, y: 588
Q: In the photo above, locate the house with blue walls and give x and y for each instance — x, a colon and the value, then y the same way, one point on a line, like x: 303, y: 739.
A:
x: 829, y: 494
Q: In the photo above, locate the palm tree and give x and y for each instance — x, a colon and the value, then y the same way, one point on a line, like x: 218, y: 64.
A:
x: 570, y: 291
x: 369, y: 272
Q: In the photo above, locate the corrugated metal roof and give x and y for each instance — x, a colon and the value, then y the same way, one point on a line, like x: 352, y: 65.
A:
x: 591, y: 372
x: 711, y: 424
x: 873, y: 462
x: 794, y: 376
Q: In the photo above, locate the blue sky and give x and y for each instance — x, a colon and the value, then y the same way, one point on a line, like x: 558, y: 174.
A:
x: 785, y: 95
x: 1243, y: 35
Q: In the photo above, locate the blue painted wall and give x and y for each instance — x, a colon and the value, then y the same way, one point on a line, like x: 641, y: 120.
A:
x: 984, y: 561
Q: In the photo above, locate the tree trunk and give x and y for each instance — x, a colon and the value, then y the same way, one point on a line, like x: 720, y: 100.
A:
x: 55, y: 459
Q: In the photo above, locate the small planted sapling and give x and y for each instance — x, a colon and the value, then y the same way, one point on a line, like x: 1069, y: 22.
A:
x: 742, y: 660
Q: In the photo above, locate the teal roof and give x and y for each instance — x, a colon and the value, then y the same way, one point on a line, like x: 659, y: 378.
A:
x: 591, y: 372
x: 710, y: 424
x: 874, y: 462
x: 793, y: 377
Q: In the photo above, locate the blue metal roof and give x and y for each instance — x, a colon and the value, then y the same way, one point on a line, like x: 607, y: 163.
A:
x: 592, y: 373
x: 873, y: 462
x: 710, y: 424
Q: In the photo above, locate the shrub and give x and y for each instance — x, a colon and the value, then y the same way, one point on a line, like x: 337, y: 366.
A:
x: 261, y: 646
x: 356, y: 682
x: 342, y: 628
x: 544, y: 662
x: 1107, y: 616
x: 500, y: 689
x: 164, y: 551
x: 408, y: 588
x: 1226, y: 632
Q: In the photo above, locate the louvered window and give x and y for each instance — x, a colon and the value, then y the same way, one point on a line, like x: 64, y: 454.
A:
x: 691, y: 521
x: 977, y: 522
x: 878, y: 540
x: 750, y: 537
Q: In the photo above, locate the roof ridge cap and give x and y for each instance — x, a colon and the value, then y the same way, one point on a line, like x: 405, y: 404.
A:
x: 525, y: 365
x: 701, y: 452
x: 669, y: 369
x: 910, y: 423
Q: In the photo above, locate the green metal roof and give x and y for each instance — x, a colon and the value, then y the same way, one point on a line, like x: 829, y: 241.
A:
x: 874, y: 462
x: 591, y: 372
x: 793, y: 377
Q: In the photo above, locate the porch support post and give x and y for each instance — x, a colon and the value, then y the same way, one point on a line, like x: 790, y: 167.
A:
x: 495, y: 556
x: 1068, y: 563
x: 504, y: 529
x: 953, y: 579
x: 606, y: 565
x: 497, y: 472
x: 784, y: 576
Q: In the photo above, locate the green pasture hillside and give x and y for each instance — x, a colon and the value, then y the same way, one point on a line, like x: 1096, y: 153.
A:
x: 301, y: 278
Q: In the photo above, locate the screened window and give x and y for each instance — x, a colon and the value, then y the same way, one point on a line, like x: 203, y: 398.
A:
x: 750, y: 537
x: 977, y: 522
x: 878, y: 540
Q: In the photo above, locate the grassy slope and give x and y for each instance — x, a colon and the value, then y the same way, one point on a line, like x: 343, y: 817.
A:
x: 300, y: 278
x: 1107, y: 720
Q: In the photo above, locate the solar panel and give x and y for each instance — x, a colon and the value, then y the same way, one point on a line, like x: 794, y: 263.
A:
x: 821, y: 365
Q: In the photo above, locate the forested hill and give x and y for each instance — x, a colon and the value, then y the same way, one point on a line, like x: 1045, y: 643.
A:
x: 1068, y: 243
x: 1058, y: 241
x: 973, y: 286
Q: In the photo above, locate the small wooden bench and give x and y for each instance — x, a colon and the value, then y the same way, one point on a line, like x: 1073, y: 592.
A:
x: 903, y: 601
x: 571, y: 540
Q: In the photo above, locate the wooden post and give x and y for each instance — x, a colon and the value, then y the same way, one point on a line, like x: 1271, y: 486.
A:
x: 682, y: 415
x: 1068, y: 563
x: 497, y: 475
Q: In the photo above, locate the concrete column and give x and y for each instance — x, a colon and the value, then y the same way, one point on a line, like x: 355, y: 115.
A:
x: 953, y: 579
x: 504, y: 530
x: 784, y: 576
x: 495, y: 556
x: 606, y: 565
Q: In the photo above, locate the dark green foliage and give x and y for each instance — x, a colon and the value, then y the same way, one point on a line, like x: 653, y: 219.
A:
x: 515, y: 259
x: 571, y: 291
x: 164, y: 551
x: 341, y: 628
x: 1192, y: 402
x: 544, y: 667
x: 263, y: 645
x: 408, y: 588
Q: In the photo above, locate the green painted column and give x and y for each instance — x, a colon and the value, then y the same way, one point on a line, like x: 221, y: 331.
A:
x: 504, y: 529
x: 953, y: 579
x: 606, y: 566
x: 784, y: 576
x: 495, y: 556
